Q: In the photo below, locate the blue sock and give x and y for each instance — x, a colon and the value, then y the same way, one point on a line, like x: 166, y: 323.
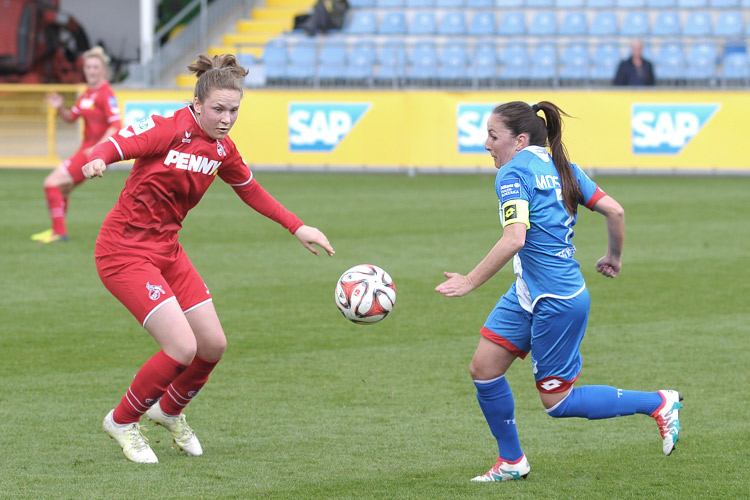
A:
x: 602, y: 401
x: 496, y: 400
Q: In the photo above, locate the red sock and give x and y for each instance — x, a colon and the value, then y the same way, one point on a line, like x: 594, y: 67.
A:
x: 148, y: 386
x: 185, y: 387
x: 56, y: 206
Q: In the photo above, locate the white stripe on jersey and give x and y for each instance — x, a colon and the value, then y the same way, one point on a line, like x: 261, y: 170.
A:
x: 122, y: 157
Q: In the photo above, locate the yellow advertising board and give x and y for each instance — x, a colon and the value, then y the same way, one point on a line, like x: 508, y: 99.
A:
x: 633, y: 130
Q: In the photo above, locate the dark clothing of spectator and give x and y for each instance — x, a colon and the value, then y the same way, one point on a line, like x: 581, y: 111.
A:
x: 325, y: 15
x: 628, y: 74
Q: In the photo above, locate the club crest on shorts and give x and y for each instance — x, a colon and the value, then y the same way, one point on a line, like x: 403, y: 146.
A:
x: 154, y: 291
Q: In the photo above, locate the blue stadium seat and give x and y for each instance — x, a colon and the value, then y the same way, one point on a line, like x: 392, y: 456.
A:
x: 729, y: 23
x: 449, y: 4
x: 479, y: 4
x: 575, y: 70
x: 724, y: 4
x: 512, y: 23
x: 603, y: 24
x: 692, y: 4
x: 630, y: 4
x: 453, y: 62
x: 302, y: 59
x: 361, y: 22
x: 361, y: 4
x: 453, y: 22
x: 600, y: 4
x: 540, y: 4
x: 389, y: 4
x: 570, y: 4
x: 605, y: 59
x: 574, y: 51
x: 661, y: 4
x: 423, y: 23
x: 393, y: 23
x: 736, y: 66
x: 332, y: 59
x: 544, y: 62
x: 484, y: 61
x: 510, y: 4
x: 574, y: 23
x: 418, y: 4
x: 698, y: 23
x: 635, y: 23
x: 515, y: 68
x: 391, y: 60
x: 669, y: 62
x: 246, y: 60
x: 544, y: 22
x: 423, y: 61
x: 513, y: 50
x: 483, y: 23
x: 361, y: 60
x: 704, y: 50
x: 275, y: 58
x: 666, y: 23
x: 700, y: 69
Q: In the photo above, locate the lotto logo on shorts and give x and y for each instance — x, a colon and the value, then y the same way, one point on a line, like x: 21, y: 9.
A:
x: 551, y: 384
x: 154, y: 291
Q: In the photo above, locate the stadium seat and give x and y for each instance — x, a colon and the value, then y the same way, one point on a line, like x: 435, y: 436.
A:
x: 246, y: 60
x: 332, y: 60
x: 569, y: 4
x: 603, y: 24
x: 423, y: 23
x: 692, y: 4
x: 361, y: 60
x: 509, y: 4
x: 635, y: 24
x: 576, y: 70
x: 361, y: 4
x: 449, y: 4
x: 630, y: 4
x: 484, y: 61
x: 391, y: 59
x: 666, y: 23
x: 544, y: 22
x: 302, y: 59
x: 605, y: 59
x: 736, y: 66
x: 483, y: 23
x: 540, y: 4
x: 453, y: 22
x: 361, y: 22
x: 698, y: 23
x: 661, y: 4
x: 422, y: 61
x: 515, y: 68
x: 600, y: 4
x: 275, y: 58
x: 544, y: 62
x: 479, y: 4
x: 700, y: 70
x: 393, y: 23
x: 669, y: 62
x: 724, y: 4
x: 574, y: 51
x: 729, y: 23
x: 418, y: 4
x: 574, y: 23
x: 514, y: 50
x: 389, y: 4
x: 512, y: 23
x: 453, y: 62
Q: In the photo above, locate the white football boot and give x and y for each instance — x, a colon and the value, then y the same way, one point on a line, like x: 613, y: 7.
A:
x: 183, y: 435
x: 667, y: 417
x: 506, y: 471
x: 134, y: 446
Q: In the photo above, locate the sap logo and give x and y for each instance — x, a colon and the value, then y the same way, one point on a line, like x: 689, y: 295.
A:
x: 136, y: 111
x: 667, y: 128
x: 186, y: 161
x: 322, y: 126
x: 471, y: 123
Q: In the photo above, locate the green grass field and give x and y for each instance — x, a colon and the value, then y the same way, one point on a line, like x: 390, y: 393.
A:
x: 306, y: 405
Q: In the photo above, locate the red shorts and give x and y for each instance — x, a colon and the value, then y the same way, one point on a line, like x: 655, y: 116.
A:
x: 74, y: 166
x: 145, y: 281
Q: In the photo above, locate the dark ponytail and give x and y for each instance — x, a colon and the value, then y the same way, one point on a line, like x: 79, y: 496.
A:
x: 520, y: 117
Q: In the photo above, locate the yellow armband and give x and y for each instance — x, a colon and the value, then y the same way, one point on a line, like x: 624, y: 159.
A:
x: 513, y: 211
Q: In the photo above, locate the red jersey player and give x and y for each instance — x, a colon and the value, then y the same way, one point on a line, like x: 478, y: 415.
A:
x: 101, y: 114
x: 141, y: 262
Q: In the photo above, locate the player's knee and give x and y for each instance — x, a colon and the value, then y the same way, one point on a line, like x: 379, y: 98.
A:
x: 481, y: 371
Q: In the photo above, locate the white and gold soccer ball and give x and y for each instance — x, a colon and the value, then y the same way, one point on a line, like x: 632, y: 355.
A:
x: 365, y: 294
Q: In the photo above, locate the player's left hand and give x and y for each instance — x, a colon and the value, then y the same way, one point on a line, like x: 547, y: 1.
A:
x: 608, y: 266
x: 310, y: 236
x: 457, y: 285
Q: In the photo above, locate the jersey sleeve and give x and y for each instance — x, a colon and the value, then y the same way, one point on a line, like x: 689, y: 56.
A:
x: 590, y: 191
x: 513, y: 197
x: 146, y: 138
x: 111, y: 109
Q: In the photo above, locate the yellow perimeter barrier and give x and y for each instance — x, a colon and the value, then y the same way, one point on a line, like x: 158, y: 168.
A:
x: 609, y: 130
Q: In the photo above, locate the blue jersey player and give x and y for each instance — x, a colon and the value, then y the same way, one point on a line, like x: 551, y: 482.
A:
x: 545, y: 311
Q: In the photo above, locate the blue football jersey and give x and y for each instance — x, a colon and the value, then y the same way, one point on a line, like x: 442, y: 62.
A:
x: 529, y: 192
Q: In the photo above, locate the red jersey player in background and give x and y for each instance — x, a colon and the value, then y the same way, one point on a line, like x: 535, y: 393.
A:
x: 101, y: 114
x: 141, y: 262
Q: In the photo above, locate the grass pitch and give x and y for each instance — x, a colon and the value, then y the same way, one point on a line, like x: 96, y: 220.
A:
x: 306, y: 405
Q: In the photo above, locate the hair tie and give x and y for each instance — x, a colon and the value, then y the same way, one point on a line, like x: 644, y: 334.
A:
x: 535, y: 107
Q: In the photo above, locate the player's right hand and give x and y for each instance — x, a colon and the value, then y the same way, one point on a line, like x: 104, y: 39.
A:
x: 94, y: 168
x: 55, y: 100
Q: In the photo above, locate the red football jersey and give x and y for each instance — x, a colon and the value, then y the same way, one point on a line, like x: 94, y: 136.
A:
x: 175, y: 164
x: 99, y: 109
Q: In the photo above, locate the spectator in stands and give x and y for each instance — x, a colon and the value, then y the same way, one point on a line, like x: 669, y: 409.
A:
x: 325, y: 15
x: 635, y: 71
x: 101, y: 115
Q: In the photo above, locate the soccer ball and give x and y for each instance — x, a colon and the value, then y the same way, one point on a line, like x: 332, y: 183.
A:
x: 365, y: 294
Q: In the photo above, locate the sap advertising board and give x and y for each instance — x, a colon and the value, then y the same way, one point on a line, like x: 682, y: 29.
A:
x: 135, y: 111
x: 321, y: 126
x: 667, y: 128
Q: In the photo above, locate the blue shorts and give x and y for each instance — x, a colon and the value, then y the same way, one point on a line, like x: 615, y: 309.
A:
x: 552, y: 333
